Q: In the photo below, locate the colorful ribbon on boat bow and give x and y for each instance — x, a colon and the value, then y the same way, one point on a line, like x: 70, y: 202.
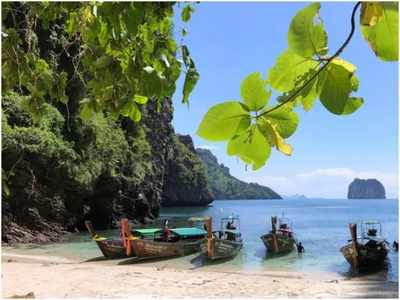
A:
x: 126, y: 236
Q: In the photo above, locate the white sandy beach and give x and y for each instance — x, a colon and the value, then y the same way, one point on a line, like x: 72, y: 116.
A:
x: 53, y: 277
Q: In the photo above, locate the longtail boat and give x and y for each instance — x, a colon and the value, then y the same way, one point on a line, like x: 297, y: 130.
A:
x: 111, y: 248
x: 367, y: 251
x: 281, y: 238
x: 162, y: 243
x: 225, y: 243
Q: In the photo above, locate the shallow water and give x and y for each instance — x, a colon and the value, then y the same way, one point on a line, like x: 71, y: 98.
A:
x: 320, y: 224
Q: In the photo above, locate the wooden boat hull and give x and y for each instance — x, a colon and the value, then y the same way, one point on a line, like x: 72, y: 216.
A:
x: 154, y: 249
x: 368, y: 257
x: 223, y: 249
x: 112, y: 248
x: 285, y: 244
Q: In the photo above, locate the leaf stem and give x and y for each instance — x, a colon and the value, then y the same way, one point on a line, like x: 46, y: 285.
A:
x: 327, y: 61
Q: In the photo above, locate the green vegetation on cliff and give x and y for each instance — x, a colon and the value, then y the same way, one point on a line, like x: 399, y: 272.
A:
x: 77, y: 78
x: 224, y: 186
x: 104, y: 169
x: 186, y: 178
x: 99, y: 169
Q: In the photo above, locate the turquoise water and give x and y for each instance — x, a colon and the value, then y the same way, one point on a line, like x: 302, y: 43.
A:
x: 320, y: 224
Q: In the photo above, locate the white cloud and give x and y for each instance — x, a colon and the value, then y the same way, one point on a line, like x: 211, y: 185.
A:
x: 340, y: 172
x: 208, y: 147
x: 327, y: 183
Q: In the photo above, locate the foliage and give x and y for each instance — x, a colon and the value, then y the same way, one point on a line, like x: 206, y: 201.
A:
x: 186, y: 13
x: 192, y: 76
x: 303, y: 73
x: 122, y: 53
x: 251, y: 147
x: 250, y: 135
x: 379, y: 26
x: 76, y: 75
x: 224, y: 186
x: 41, y: 143
x: 102, y: 147
x: 228, y: 117
x: 74, y: 72
x: 188, y: 169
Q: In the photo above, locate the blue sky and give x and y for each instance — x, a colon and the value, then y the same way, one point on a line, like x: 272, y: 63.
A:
x: 230, y: 40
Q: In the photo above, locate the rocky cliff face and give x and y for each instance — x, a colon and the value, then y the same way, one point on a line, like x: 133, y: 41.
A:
x: 186, y: 179
x: 366, y: 189
x: 59, y: 170
x: 62, y: 171
x: 224, y: 186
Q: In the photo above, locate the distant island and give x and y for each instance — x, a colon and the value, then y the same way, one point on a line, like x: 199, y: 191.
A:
x: 366, y: 189
x: 224, y: 186
x: 294, y: 197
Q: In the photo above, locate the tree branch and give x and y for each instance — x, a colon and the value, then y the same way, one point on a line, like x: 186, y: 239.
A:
x: 327, y: 61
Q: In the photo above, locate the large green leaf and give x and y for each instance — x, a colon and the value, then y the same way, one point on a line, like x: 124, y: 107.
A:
x: 345, y: 64
x: 192, y: 76
x: 306, y: 37
x: 288, y: 68
x: 140, y: 99
x: 380, y: 27
x: 335, y: 84
x: 187, y: 59
x: 309, y: 94
x: 284, y: 119
x: 132, y: 18
x: 251, y: 147
x: 371, y: 12
x: 253, y: 91
x: 272, y: 135
x: 354, y: 83
x: 130, y: 110
x: 223, y: 121
x: 191, y: 79
x: 352, y: 104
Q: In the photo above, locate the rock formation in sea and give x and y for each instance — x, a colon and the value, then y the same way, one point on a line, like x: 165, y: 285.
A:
x: 366, y: 189
x: 224, y: 186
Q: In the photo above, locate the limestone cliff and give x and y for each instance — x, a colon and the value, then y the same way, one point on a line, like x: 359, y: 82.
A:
x: 58, y: 170
x: 224, y: 186
x: 186, y: 179
x: 62, y: 171
x: 366, y: 189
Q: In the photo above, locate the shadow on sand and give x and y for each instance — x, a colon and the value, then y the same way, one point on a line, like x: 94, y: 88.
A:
x: 202, y: 261
x: 374, y: 281
x: 137, y: 260
x: 375, y: 272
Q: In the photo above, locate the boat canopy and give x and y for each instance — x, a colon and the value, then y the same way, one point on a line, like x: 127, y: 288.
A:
x: 188, y: 231
x: 146, y: 231
x: 370, y: 222
x: 183, y: 231
x: 230, y: 218
x: 198, y: 219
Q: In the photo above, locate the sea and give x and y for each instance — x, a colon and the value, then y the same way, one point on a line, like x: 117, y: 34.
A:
x: 320, y: 224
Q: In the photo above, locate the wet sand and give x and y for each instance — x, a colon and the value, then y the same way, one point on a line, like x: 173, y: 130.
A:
x: 56, y: 277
